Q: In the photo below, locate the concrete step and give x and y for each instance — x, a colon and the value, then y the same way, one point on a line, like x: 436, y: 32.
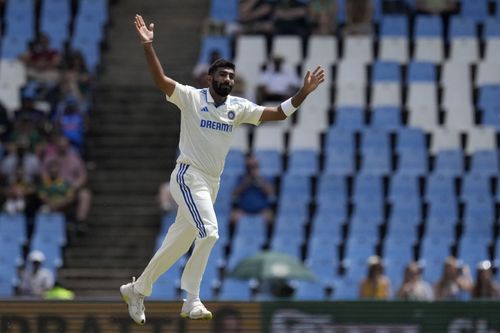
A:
x: 127, y: 212
x: 138, y: 249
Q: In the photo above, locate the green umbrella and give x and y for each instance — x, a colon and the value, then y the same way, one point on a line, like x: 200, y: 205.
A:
x: 271, y: 265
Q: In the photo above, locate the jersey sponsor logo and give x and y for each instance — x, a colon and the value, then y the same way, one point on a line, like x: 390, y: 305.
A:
x: 204, y: 109
x: 215, y: 125
x: 231, y: 115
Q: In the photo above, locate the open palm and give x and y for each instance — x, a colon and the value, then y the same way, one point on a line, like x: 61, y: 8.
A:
x: 145, y: 34
x: 314, y: 79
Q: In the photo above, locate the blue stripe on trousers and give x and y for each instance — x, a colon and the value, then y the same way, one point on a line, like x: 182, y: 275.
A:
x: 189, y: 200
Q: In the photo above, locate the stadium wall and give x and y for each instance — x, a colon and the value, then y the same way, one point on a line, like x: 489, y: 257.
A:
x: 276, y: 317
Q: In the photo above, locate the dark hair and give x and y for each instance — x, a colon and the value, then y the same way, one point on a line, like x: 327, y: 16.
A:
x: 220, y: 63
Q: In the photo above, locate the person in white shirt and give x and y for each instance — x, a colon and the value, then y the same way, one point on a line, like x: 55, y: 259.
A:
x: 277, y: 81
x: 35, y: 280
x: 208, y: 117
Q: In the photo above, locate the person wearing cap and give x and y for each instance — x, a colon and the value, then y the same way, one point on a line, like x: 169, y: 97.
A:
x: 376, y: 285
x: 414, y: 288
x: 36, y: 280
x: 485, y: 286
x: 455, y: 282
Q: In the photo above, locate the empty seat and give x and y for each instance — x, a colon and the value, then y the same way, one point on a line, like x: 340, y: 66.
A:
x: 269, y: 137
x: 460, y: 116
x: 474, y: 9
x: 476, y: 185
x: 464, y: 50
x: 322, y: 50
x: 351, y: 95
x: 386, y: 94
x: 367, y: 187
x: 422, y: 94
x: 409, y: 138
x: 444, y: 139
x: 303, y: 162
x: 358, y: 49
x: 449, y: 162
x: 428, y: 26
x: 488, y: 97
x: 351, y: 73
x: 456, y: 74
x: 394, y: 26
x: 394, y: 49
x: 270, y: 162
x: 423, y: 116
x: 429, y: 49
x: 419, y: 71
x: 485, y: 162
x: 439, y: 185
x: 304, y: 138
x: 350, y: 118
x: 289, y: 47
x: 488, y: 73
x: 412, y: 162
x: 461, y: 27
x: 388, y: 118
x: 211, y: 43
x: 385, y: 71
x: 491, y: 27
x: 403, y: 186
x: 481, y: 138
x: 224, y: 10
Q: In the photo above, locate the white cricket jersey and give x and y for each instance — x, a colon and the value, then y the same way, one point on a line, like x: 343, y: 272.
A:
x: 207, y: 130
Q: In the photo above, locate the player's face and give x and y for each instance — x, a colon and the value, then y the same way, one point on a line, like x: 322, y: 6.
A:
x: 223, y: 81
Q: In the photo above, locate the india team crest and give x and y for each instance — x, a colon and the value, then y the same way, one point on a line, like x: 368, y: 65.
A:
x: 231, y: 115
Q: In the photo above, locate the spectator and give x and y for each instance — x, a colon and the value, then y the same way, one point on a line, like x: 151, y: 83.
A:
x: 276, y: 82
x: 72, y: 169
x: 58, y: 292
x: 72, y: 124
x: 255, y: 16
x: 253, y: 194
x: 18, y: 193
x: 28, y: 124
x: 322, y: 16
x: 485, y: 286
x: 291, y: 18
x: 56, y: 193
x: 455, y: 281
x: 358, y: 17
x: 414, y: 288
x: 42, y: 62
x: 376, y: 285
x: 76, y: 78
x: 36, y: 280
x: 20, y: 157
x: 200, y: 71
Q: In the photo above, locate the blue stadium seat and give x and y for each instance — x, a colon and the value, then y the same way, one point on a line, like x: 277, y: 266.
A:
x: 394, y: 26
x: 376, y: 162
x: 419, y: 71
x: 241, y: 249
x: 443, y: 227
x: 327, y: 225
x: 402, y: 227
x: 303, y: 162
x: 462, y: 27
x: 323, y: 248
x: 428, y: 26
x: 95, y: 9
x: 472, y: 250
x: 326, y: 270
x: 349, y: 118
x: 485, y: 162
x: 270, y: 161
x: 488, y: 97
x: 443, y: 207
x: 290, y: 224
x: 403, y: 186
x: 235, y: 163
x: 235, y: 290
x: 476, y: 185
x: 331, y: 188
x: 346, y: 288
x: 449, y: 163
x: 491, y: 117
x: 360, y: 247
x: 309, y: 291
x: 386, y: 71
x: 11, y: 252
x: 394, y: 269
x: 340, y: 139
x: 13, y: 47
x: 340, y: 161
x: 432, y: 268
x: 386, y: 118
x: 21, y: 25
x: 367, y: 187
x: 375, y: 140
x: 251, y: 226
x: 474, y: 9
x: 14, y: 226
x: 296, y: 187
x: 406, y: 208
x: 366, y: 219
x: 435, y: 247
x: 6, y: 285
x: 412, y: 162
x: 53, y: 225
x: 439, y: 185
x: 211, y: 43
x: 492, y: 27
x: 224, y: 10
x: 479, y: 216
x: 410, y: 138
x: 285, y: 244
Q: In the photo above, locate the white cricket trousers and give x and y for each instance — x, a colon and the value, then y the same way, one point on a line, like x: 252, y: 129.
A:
x: 195, y: 195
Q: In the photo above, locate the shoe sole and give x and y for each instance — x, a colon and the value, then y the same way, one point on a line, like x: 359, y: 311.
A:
x: 125, y: 299
x: 207, y: 316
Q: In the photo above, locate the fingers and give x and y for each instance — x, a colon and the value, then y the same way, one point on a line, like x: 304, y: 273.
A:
x: 317, y: 70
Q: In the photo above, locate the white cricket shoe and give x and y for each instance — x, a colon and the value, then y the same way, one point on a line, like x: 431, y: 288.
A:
x: 195, y: 310
x: 135, y: 301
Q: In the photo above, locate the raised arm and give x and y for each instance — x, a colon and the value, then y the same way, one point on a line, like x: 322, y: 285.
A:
x: 285, y: 109
x: 163, y: 82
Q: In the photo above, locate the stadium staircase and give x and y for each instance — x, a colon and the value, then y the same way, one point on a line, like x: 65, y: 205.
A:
x: 133, y: 143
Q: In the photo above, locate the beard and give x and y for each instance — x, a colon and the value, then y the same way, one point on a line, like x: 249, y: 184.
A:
x: 222, y: 89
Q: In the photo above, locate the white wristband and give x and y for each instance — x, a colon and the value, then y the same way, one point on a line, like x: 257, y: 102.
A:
x: 288, y: 108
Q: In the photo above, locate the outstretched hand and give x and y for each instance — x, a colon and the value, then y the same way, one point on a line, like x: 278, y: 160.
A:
x: 145, y: 34
x: 314, y: 79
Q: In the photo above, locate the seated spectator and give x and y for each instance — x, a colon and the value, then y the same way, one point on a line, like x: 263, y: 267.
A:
x: 73, y: 170
x: 56, y: 193
x: 255, y: 16
x: 414, y: 288
x: 277, y: 82
x: 20, y: 159
x: 72, y: 123
x: 253, y: 194
x: 322, y: 16
x: 35, y: 279
x: 485, y: 286
x: 436, y: 7
x: 29, y: 122
x: 291, y: 18
x: 200, y: 71
x: 42, y: 62
x: 18, y: 193
x: 455, y: 282
x: 376, y: 285
x: 59, y: 293
x: 76, y: 78
x: 358, y: 17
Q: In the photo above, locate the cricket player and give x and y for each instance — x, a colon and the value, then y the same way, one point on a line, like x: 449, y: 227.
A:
x: 208, y: 119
